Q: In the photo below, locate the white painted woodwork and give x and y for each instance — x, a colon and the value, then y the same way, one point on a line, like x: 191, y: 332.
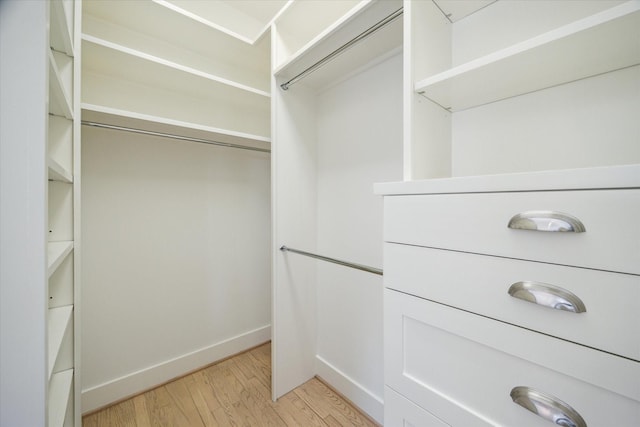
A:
x: 61, y: 218
x: 562, y: 71
x: 60, y: 392
x: 611, y: 321
x: 60, y: 79
x: 57, y: 172
x: 607, y: 177
x: 377, y: 47
x: 192, y: 244
x: 60, y: 147
x: 175, y: 234
x: 56, y: 253
x: 246, y: 21
x: 427, y: 359
x: 142, y: 26
x: 116, y: 117
x: 61, y: 26
x: 358, y: 128
x: 478, y: 223
x: 58, y: 323
x: 399, y: 411
x: 456, y: 10
x: 510, y: 72
x: 334, y: 134
x: 23, y: 220
x: 61, y: 289
x: 585, y: 124
x: 303, y: 24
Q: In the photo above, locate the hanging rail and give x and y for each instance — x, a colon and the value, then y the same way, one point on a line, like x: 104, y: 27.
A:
x: 173, y: 136
x: 335, y: 261
x: 341, y: 49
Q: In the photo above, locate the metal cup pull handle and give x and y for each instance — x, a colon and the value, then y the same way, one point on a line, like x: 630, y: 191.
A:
x: 546, y: 221
x: 548, y: 407
x: 547, y: 296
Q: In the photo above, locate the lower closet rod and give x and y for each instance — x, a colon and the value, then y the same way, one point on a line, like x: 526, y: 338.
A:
x: 335, y: 261
x: 173, y: 136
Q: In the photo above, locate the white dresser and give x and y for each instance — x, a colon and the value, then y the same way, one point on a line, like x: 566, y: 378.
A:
x: 513, y: 300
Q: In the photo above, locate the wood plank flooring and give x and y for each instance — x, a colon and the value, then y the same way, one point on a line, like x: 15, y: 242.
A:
x: 235, y: 392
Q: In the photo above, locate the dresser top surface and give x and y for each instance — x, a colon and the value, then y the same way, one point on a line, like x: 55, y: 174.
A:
x: 600, y: 178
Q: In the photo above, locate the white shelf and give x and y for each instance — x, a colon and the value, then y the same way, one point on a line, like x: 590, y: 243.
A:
x: 58, y: 173
x: 360, y: 18
x: 60, y: 30
x: 601, y: 43
x: 125, y: 55
x: 118, y: 117
x: 142, y: 26
x: 115, y: 79
x: 59, y: 395
x: 56, y: 253
x: 59, y: 87
x: 58, y: 323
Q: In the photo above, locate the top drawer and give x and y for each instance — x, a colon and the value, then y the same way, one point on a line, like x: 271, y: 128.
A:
x: 478, y: 222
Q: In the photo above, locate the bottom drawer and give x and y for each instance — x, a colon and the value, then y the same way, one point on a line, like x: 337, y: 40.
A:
x: 462, y: 368
x: 400, y: 412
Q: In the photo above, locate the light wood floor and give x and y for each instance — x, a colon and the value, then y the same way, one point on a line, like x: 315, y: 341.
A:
x: 235, y: 392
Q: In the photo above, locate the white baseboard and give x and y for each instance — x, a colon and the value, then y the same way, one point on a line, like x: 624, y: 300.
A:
x: 145, y: 379
x: 363, y: 398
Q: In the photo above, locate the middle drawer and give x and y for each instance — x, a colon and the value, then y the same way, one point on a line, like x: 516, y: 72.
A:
x: 480, y: 284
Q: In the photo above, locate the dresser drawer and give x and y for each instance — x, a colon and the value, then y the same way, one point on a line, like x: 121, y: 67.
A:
x: 440, y: 357
x: 399, y: 412
x: 478, y: 223
x: 480, y: 284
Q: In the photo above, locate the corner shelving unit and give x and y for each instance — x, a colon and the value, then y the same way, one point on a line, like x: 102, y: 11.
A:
x: 131, y: 68
x: 63, y: 213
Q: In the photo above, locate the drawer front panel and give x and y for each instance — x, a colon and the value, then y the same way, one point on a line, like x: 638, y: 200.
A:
x: 400, y: 412
x: 434, y: 352
x: 480, y: 284
x: 478, y: 223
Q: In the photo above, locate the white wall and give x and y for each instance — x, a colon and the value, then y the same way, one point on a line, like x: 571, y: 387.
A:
x: 587, y: 123
x: 176, y: 259
x: 23, y: 212
x: 359, y: 125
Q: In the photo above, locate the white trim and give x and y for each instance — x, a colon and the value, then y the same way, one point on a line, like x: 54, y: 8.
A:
x: 144, y: 379
x: 360, y: 396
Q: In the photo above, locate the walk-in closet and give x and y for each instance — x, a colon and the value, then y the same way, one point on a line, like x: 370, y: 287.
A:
x: 423, y: 212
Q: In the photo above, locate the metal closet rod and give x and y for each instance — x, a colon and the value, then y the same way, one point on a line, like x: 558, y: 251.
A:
x: 341, y: 49
x: 173, y: 136
x: 334, y: 260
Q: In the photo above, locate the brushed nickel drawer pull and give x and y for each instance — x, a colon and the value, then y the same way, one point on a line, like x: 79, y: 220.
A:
x: 547, y: 296
x: 548, y: 407
x: 546, y: 221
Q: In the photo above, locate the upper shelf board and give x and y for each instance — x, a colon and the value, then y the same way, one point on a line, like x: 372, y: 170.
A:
x: 455, y: 10
x: 603, y: 42
x: 385, y: 40
x: 246, y: 20
x: 132, y: 54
